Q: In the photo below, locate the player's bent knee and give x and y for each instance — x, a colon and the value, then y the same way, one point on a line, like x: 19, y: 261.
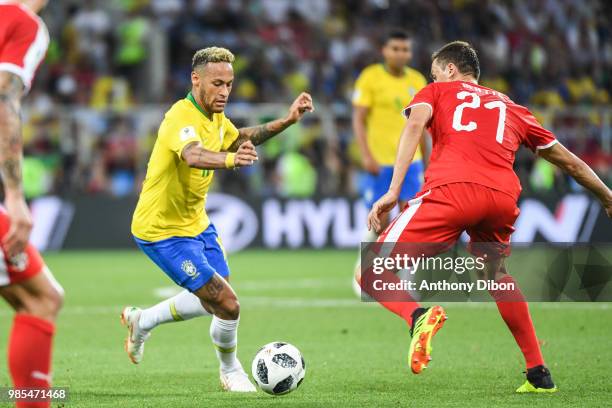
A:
x: 45, y: 305
x: 44, y: 297
x: 227, y: 309
x: 55, y: 301
x: 230, y: 309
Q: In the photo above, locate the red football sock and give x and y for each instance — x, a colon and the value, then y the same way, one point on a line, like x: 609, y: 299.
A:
x: 515, y: 312
x: 29, y: 354
x: 398, y: 302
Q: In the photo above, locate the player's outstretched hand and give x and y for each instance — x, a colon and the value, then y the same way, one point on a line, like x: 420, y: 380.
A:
x: 380, y: 207
x: 302, y: 104
x: 246, y: 154
x: 18, y: 235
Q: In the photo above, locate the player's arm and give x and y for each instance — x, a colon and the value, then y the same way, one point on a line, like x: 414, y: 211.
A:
x: 409, y: 141
x: 359, y: 121
x: 571, y: 164
x: 259, y: 134
x: 11, y: 91
x: 198, y: 157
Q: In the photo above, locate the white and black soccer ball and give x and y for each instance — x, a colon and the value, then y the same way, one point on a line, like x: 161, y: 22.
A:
x: 278, y: 368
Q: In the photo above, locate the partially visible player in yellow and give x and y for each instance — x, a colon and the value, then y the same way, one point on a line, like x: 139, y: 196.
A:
x: 381, y: 92
x: 170, y: 223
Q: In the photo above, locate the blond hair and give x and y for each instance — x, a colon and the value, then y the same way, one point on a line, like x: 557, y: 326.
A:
x: 211, y: 54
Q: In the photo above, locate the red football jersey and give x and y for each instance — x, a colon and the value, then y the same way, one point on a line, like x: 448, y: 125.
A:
x: 23, y: 41
x: 476, y: 132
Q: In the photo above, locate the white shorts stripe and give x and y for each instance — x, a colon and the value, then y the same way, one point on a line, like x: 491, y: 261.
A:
x: 4, y: 276
x: 402, y: 222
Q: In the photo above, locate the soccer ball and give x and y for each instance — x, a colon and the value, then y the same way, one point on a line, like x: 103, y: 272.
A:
x: 278, y: 368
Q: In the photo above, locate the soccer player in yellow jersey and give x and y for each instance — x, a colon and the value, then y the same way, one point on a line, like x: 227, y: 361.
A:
x: 170, y: 223
x: 381, y: 92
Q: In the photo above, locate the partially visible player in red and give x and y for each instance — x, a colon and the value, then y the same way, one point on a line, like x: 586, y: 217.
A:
x: 470, y: 186
x: 25, y: 282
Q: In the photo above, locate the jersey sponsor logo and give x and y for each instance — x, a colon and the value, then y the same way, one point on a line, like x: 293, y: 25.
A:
x: 187, y: 133
x: 190, y: 269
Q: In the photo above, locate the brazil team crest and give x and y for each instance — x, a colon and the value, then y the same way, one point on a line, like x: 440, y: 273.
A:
x: 189, y: 268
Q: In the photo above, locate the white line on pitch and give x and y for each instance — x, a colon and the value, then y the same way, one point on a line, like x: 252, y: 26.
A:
x: 306, y: 303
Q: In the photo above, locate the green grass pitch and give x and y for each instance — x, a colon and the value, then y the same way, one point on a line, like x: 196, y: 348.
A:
x: 355, y: 353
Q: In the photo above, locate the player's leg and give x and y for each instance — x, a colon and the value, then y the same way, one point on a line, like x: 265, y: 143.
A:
x: 425, y: 225
x: 218, y: 296
x: 371, y: 187
x: 491, y: 237
x: 514, y: 310
x: 185, y: 261
x: 411, y: 187
x: 374, y: 188
x: 430, y: 224
x: 180, y: 259
x: 184, y: 305
x: 36, y: 301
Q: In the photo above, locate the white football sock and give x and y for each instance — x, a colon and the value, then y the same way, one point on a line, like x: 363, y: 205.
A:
x: 224, y: 335
x: 183, y: 306
x: 368, y: 236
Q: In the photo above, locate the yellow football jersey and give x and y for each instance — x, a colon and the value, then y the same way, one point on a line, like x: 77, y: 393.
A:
x: 386, y: 96
x: 173, y: 197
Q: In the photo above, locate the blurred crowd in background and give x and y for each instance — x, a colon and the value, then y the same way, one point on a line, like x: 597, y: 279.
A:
x: 114, y: 67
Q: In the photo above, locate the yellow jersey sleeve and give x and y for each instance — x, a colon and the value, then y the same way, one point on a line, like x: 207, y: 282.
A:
x: 175, y: 136
x: 363, y: 95
x: 230, y: 134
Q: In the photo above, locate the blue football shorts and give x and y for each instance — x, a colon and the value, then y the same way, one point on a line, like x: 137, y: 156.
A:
x: 373, y: 187
x: 189, y: 262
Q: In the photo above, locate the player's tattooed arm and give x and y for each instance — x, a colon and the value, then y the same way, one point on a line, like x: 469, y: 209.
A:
x: 196, y: 156
x: 259, y: 134
x: 11, y: 91
x: 571, y: 164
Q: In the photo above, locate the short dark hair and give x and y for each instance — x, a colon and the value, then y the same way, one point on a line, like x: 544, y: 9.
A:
x: 396, y: 34
x: 460, y: 53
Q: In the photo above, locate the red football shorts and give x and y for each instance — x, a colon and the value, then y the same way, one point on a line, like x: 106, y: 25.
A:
x: 436, y: 218
x: 20, y: 267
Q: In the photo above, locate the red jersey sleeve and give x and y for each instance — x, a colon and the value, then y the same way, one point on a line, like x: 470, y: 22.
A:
x: 23, y: 42
x: 536, y: 137
x: 426, y: 96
